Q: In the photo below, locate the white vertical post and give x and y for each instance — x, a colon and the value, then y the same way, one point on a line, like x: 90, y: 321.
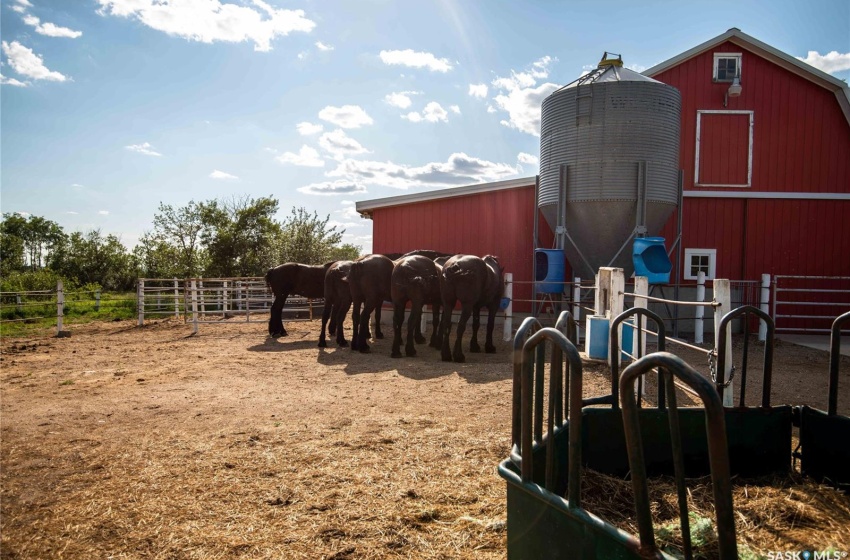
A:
x: 699, y: 312
x: 641, y: 289
x: 60, y: 307
x: 723, y: 296
x: 616, y: 298
x: 225, y: 295
x: 509, y: 310
x: 764, y: 305
x: 194, y: 289
x: 97, y: 300
x: 176, y: 300
x: 423, y: 320
x: 598, y: 306
x: 201, y: 298
x: 18, y: 305
x: 576, y: 298
x: 140, y: 301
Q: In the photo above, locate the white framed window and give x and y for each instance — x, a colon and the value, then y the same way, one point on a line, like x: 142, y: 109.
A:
x: 727, y: 67
x: 700, y: 260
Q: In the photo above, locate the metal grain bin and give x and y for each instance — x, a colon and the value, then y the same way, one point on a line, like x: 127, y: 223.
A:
x: 609, y: 162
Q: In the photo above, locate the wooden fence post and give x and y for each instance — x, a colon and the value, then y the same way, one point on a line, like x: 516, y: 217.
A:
x: 764, y: 305
x: 140, y: 301
x: 176, y: 300
x: 194, y: 289
x: 642, y: 289
x: 723, y: 296
x: 509, y: 310
x: 97, y: 300
x: 60, y: 307
x: 699, y: 311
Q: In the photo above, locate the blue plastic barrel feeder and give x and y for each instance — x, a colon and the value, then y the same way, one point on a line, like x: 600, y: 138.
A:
x: 551, y: 267
x: 650, y: 259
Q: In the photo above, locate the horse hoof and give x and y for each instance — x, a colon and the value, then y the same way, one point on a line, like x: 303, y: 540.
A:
x: 445, y: 359
x: 490, y: 349
x: 323, y: 344
x: 343, y: 344
x: 379, y: 336
x: 395, y: 354
x: 420, y: 339
x: 475, y: 349
x: 460, y: 358
x: 275, y: 335
x: 365, y: 350
x: 410, y: 353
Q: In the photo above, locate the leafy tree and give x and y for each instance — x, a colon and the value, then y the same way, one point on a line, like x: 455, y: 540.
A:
x: 182, y: 229
x: 307, y: 239
x: 344, y: 252
x: 28, y: 242
x: 155, y: 257
x: 239, y: 236
x: 92, y: 258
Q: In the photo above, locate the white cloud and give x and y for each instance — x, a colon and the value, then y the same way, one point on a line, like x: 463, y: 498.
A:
x: 25, y: 3
x: 416, y: 59
x: 12, y: 82
x: 208, y: 21
x: 400, y: 99
x: 19, y: 9
x: 340, y: 145
x: 306, y: 157
x: 433, y: 112
x: 478, y: 90
x: 519, y: 97
x: 23, y: 214
x: 349, y: 210
x: 307, y: 128
x: 340, y: 186
x: 454, y: 109
x: 460, y: 169
x: 524, y: 157
x: 636, y: 67
x: 29, y: 64
x: 323, y: 47
x: 341, y: 226
x: 221, y: 175
x: 104, y: 212
x: 50, y: 29
x: 144, y: 148
x: 347, y: 116
x: 72, y: 213
x: 830, y: 62
x: 302, y: 55
x: 491, y: 109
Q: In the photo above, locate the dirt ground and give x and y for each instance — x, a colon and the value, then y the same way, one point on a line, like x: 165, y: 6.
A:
x: 151, y: 442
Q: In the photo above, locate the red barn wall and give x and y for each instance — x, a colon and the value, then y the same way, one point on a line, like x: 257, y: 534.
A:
x: 801, y: 144
x: 499, y: 223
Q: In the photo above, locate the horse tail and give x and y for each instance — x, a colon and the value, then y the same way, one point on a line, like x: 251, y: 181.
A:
x: 269, y: 279
x: 454, y: 270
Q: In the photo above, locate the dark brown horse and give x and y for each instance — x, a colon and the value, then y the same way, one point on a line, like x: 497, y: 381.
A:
x: 369, y: 281
x: 337, y: 302
x: 293, y: 279
x: 415, y: 279
x: 477, y: 283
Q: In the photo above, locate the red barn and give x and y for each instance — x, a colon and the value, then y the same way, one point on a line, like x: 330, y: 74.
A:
x: 765, y: 149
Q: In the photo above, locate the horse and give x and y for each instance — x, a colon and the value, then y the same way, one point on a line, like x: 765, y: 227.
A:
x: 477, y: 283
x: 337, y: 302
x: 416, y: 279
x: 369, y: 280
x: 293, y: 278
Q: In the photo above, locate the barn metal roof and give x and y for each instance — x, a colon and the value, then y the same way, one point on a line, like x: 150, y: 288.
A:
x: 790, y: 63
x: 365, y: 207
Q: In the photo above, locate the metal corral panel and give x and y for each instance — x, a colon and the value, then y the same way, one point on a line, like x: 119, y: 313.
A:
x: 604, y: 127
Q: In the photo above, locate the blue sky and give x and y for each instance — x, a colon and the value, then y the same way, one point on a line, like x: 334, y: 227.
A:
x: 110, y: 107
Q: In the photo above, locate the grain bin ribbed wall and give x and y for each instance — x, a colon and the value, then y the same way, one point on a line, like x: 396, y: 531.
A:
x: 614, y: 130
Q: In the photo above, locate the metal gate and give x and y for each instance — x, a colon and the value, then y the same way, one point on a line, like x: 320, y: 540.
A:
x: 809, y: 303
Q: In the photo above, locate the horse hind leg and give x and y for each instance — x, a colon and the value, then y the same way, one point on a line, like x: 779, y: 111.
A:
x: 276, y: 328
x: 436, y: 338
x: 413, y: 323
x: 417, y: 329
x: 340, y: 332
x: 355, y: 325
x: 476, y: 323
x: 398, y: 319
x: 327, y: 313
x: 489, y: 347
x: 379, y: 335
x: 457, y: 353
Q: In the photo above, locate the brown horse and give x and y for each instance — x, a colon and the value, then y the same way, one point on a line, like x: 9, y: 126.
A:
x: 293, y: 279
x: 369, y: 281
x: 415, y: 279
x: 477, y: 283
x: 337, y: 302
